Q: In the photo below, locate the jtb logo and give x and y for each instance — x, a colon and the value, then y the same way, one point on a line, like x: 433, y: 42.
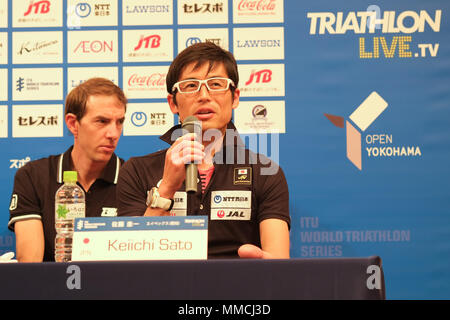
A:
x: 43, y: 5
x: 263, y: 76
x: 155, y: 42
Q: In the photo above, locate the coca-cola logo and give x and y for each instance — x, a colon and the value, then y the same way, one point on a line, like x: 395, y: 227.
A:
x: 257, y: 5
x: 152, y: 80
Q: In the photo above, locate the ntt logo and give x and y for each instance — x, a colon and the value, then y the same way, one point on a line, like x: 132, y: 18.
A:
x: 217, y: 199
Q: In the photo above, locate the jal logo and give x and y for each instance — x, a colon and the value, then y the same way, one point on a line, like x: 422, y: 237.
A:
x: 96, y: 46
x: 152, y: 41
x: 235, y: 214
x: 222, y: 214
x: 261, y: 76
x: 257, y: 5
x: 42, y: 7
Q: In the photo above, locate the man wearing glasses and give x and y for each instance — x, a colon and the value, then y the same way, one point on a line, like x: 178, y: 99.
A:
x: 248, y: 210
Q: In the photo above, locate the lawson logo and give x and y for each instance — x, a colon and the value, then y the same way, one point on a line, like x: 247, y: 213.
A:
x: 258, y: 43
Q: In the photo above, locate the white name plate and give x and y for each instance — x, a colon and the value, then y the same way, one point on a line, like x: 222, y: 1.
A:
x: 140, y: 238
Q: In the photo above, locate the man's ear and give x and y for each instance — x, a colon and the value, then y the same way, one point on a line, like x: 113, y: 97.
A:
x: 72, y: 123
x: 172, y: 104
x: 236, y: 95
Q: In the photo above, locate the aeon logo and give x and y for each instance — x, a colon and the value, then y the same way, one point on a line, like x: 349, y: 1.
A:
x: 95, y: 46
x: 363, y: 116
x: 152, y: 41
x: 262, y: 76
x: 257, y: 5
x: 43, y: 6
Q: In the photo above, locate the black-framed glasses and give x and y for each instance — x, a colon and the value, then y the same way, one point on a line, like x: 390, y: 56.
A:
x: 216, y: 84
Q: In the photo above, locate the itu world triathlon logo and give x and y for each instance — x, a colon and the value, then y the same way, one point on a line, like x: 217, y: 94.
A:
x: 378, y: 145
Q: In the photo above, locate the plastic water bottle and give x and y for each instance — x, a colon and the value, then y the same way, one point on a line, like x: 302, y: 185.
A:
x: 70, y: 203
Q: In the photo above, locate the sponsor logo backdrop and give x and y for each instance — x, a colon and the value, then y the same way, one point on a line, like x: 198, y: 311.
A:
x: 355, y: 92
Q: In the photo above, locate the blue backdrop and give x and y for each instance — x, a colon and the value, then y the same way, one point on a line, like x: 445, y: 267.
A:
x: 373, y: 181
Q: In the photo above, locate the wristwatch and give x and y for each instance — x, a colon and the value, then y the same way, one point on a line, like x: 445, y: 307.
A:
x: 154, y: 200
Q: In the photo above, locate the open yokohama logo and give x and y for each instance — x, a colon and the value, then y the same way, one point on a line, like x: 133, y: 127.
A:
x: 363, y: 116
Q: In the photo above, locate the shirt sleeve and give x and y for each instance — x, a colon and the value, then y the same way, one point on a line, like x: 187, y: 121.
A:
x: 273, y: 195
x: 130, y: 191
x: 25, y: 203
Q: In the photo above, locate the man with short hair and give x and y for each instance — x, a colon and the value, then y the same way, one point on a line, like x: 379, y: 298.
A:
x: 94, y: 113
x: 248, y: 211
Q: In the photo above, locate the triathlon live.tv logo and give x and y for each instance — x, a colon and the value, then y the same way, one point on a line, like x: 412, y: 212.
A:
x: 378, y: 145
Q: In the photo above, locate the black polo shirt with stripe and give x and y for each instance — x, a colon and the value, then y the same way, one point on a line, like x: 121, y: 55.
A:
x: 238, y: 197
x: 35, y: 185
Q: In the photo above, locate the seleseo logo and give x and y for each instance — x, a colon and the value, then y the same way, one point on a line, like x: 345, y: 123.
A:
x: 363, y: 117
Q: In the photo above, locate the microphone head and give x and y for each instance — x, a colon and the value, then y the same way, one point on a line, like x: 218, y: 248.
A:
x: 191, y: 124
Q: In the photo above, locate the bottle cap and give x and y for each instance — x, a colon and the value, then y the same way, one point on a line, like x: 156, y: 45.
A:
x: 70, y: 176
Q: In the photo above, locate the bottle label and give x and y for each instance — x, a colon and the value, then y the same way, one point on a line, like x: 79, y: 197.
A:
x: 70, y: 211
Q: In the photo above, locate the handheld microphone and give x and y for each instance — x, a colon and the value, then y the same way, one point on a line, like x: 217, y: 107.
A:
x: 192, y: 125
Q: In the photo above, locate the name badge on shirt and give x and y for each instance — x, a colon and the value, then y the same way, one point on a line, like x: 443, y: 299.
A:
x: 231, y: 205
